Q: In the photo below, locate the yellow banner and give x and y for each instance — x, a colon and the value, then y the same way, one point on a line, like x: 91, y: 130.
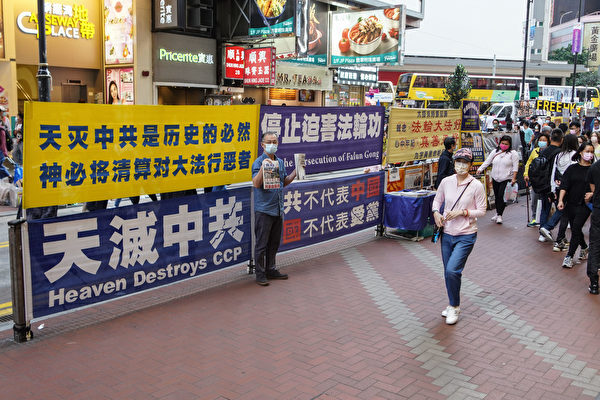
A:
x: 84, y: 152
x: 418, y: 133
x: 554, y: 106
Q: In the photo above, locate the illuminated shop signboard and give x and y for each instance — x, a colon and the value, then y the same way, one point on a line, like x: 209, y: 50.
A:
x: 197, y: 58
x: 62, y: 20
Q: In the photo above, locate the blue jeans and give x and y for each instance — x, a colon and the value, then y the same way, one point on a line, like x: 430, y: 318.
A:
x: 455, y: 250
x: 553, y: 221
x: 546, y: 206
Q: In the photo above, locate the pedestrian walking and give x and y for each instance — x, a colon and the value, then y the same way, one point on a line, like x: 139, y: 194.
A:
x: 596, y: 143
x: 463, y: 200
x: 540, y: 172
x: 445, y: 163
x: 540, y: 145
x: 593, y: 263
x: 505, y: 165
x: 571, y: 200
x: 268, y: 178
x: 562, y: 161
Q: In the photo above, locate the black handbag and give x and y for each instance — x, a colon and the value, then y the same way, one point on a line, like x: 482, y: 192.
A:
x: 437, y: 231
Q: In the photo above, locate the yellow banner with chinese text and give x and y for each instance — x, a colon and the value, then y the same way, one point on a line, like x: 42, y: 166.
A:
x: 75, y: 153
x: 418, y: 133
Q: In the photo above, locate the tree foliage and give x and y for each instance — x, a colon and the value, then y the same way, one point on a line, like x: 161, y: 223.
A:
x: 583, y: 78
x: 458, y: 87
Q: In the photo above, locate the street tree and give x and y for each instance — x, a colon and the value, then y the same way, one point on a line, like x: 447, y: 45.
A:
x: 458, y: 87
x: 583, y: 78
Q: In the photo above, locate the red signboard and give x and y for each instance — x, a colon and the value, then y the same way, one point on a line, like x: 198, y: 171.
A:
x: 260, y: 67
x: 234, y: 62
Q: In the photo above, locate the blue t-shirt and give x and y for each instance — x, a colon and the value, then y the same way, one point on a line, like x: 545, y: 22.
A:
x: 269, y: 201
x: 528, y: 134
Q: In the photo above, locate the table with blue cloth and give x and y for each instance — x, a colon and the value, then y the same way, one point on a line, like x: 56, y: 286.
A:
x: 409, y: 213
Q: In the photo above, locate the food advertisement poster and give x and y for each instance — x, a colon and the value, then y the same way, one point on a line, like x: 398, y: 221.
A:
x: 119, y: 85
x: 318, y: 34
x: 272, y: 17
x: 118, y: 31
x: 366, y: 37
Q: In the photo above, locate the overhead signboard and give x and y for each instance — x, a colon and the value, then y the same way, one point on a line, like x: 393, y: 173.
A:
x: 167, y: 14
x: 234, y: 62
x: 272, y: 17
x: 366, y: 37
x: 260, y: 66
x: 73, y: 33
x: 118, y: 31
x: 366, y: 76
x: 318, y: 34
x: 290, y: 76
x: 591, y: 39
x: 186, y: 59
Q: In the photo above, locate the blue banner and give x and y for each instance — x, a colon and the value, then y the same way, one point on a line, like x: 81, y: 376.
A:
x: 322, y: 210
x: 333, y: 138
x: 470, y: 116
x: 83, y: 259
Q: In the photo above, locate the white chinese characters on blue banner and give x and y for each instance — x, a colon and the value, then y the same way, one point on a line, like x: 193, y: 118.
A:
x: 333, y: 138
x: 322, y: 210
x: 82, y: 259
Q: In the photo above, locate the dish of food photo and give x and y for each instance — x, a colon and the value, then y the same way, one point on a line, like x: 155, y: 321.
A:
x: 271, y: 8
x: 392, y: 13
x: 365, y: 35
x: 314, y: 34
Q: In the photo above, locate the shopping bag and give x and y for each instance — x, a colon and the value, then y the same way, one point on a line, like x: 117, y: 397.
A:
x: 511, y: 192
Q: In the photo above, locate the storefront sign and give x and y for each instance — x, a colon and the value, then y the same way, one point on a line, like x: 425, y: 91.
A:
x: 333, y: 138
x: 366, y: 76
x: 82, y: 259
x: 184, y: 59
x: 291, y: 76
x: 234, y: 62
x: 118, y: 28
x: 366, y: 37
x: 260, y: 66
x: 73, y: 32
x: 85, y: 152
x: 591, y: 40
x: 273, y: 17
x: 166, y: 14
x: 322, y: 210
x: 119, y: 86
x: 418, y: 134
x: 470, y: 116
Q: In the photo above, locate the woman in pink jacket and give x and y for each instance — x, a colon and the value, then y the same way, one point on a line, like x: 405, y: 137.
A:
x: 463, y: 201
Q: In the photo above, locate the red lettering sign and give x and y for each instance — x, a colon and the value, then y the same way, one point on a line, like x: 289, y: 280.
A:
x: 260, y: 67
x: 234, y: 62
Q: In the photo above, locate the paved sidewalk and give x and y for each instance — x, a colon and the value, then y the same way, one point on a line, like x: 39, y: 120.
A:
x: 359, y: 322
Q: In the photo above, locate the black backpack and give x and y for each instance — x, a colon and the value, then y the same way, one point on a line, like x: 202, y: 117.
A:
x: 539, y: 175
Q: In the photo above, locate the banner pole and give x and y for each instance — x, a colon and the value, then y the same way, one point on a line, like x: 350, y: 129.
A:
x: 21, y: 328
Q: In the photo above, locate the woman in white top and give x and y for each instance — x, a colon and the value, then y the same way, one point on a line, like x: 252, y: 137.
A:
x: 505, y: 164
x: 596, y: 144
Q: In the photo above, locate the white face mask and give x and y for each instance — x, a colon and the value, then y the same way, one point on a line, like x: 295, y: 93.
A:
x: 461, y: 168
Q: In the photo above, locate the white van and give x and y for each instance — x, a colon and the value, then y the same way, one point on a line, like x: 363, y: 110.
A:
x: 498, y: 111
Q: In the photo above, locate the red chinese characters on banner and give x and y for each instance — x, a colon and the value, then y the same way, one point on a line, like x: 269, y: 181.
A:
x: 260, y: 66
x: 234, y: 62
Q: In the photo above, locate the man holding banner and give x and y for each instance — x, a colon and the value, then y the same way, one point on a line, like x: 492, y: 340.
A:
x: 268, y: 178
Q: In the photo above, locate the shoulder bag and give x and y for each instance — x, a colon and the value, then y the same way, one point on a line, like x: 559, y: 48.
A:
x: 437, y: 231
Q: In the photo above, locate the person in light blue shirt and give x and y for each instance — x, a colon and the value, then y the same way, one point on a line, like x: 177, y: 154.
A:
x: 268, y: 209
x: 528, y: 132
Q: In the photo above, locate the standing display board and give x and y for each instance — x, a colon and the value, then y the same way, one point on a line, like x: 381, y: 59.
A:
x: 418, y: 133
x: 84, y: 152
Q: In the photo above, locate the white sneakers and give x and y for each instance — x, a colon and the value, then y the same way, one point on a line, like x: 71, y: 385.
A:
x: 494, y: 218
x: 542, y: 239
x: 451, y: 314
x: 498, y: 219
x: 546, y: 233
